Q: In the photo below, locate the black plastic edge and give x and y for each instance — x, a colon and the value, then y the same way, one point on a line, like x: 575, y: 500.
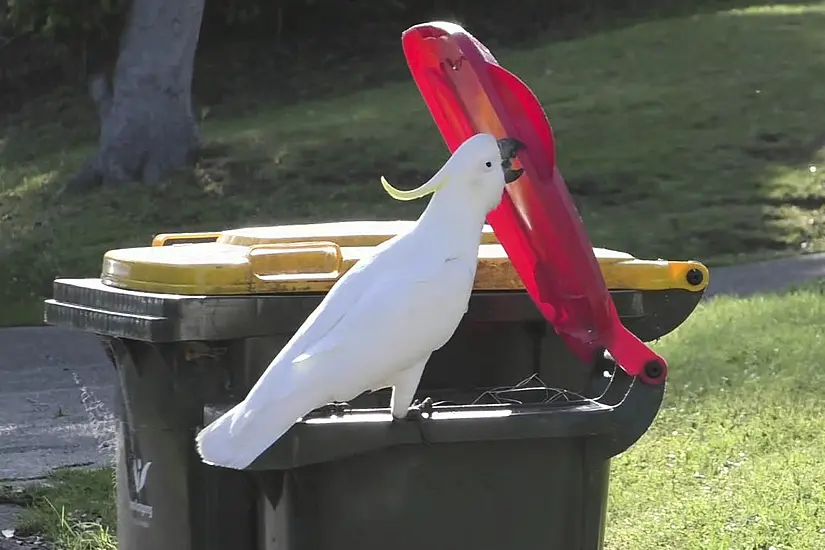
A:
x: 615, y: 420
x: 89, y: 305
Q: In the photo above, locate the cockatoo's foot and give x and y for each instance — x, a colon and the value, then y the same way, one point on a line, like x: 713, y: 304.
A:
x: 421, y: 409
x: 330, y: 409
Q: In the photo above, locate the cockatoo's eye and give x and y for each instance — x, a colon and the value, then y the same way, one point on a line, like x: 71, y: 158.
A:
x: 488, y: 164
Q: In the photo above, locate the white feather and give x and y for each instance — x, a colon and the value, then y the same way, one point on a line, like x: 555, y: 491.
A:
x: 385, y: 316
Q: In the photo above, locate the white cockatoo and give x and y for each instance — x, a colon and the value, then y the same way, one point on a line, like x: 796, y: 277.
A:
x: 378, y: 325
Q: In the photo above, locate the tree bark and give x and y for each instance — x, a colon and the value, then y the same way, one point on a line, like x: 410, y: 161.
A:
x: 147, y: 125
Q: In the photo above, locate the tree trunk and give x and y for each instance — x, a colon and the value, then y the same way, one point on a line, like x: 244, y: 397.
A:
x: 147, y: 126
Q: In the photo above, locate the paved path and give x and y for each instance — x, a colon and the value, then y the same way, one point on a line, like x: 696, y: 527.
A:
x: 56, y: 386
x: 55, y: 401
x: 765, y: 276
x: 56, y: 389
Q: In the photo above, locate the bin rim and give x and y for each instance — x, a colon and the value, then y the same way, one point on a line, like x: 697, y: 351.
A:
x: 621, y: 411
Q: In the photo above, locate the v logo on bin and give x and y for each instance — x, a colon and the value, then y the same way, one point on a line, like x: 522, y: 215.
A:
x: 139, y: 472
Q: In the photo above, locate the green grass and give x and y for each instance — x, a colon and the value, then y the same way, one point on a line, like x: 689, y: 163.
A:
x: 74, y: 509
x: 691, y: 137
x: 735, y: 459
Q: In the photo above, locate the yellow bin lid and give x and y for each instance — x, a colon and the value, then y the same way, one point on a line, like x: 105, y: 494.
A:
x: 311, y: 257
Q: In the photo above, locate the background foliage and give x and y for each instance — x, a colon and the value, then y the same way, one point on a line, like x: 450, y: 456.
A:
x: 44, y: 43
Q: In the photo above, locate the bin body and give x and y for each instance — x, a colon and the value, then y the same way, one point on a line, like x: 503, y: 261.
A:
x: 535, y: 477
x: 488, y: 495
x: 166, y: 497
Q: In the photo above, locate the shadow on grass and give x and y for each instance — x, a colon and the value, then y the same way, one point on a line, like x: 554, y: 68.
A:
x: 685, y: 137
x: 237, y: 79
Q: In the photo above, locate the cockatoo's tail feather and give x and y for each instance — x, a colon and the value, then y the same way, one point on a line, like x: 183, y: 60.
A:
x: 240, y: 436
x: 213, y: 442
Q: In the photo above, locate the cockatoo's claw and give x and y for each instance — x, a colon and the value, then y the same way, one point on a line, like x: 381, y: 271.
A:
x: 330, y: 409
x: 421, y: 409
x: 418, y: 411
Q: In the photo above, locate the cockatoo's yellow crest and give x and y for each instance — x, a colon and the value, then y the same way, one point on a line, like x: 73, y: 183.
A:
x: 431, y: 186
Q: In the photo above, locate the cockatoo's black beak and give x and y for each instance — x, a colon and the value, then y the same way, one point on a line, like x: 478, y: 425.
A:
x: 509, y: 148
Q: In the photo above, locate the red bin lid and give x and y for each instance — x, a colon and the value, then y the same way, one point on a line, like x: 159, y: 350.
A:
x: 468, y: 92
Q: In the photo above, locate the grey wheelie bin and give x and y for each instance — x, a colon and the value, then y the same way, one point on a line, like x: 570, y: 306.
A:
x: 515, y: 453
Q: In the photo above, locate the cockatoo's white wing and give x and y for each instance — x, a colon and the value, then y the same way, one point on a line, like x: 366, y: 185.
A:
x: 354, y: 345
x: 340, y: 299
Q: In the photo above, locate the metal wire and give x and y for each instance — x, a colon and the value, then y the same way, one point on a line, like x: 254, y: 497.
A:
x: 532, y: 386
x: 530, y: 391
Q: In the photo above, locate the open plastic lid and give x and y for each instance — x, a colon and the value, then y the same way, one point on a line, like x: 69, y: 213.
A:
x: 468, y: 92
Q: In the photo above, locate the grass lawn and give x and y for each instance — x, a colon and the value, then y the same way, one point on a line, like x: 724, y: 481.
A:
x: 689, y: 137
x: 735, y: 459
x: 74, y: 510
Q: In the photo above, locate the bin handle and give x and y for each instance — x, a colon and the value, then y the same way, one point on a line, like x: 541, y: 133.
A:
x: 656, y: 275
x: 297, y: 262
x: 166, y: 239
